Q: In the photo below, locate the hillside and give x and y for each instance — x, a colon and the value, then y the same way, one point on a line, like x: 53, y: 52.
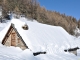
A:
x: 32, y: 9
x: 39, y: 37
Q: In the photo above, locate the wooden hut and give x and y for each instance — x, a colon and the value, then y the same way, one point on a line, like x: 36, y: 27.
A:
x: 13, y: 38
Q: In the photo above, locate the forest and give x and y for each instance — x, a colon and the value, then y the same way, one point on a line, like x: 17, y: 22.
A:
x: 32, y: 9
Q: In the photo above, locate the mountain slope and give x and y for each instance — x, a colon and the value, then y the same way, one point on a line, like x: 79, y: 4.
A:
x: 32, y: 9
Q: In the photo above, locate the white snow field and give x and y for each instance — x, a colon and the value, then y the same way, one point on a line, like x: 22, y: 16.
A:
x: 39, y: 37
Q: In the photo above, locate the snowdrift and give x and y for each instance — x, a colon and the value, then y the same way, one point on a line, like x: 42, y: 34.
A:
x: 42, y: 37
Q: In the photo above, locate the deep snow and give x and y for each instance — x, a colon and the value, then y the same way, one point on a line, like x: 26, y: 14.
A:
x: 39, y: 37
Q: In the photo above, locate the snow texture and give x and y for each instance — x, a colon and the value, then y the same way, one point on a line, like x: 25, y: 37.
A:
x: 39, y: 37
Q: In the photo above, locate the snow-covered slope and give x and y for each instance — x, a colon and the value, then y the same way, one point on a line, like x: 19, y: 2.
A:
x: 39, y: 37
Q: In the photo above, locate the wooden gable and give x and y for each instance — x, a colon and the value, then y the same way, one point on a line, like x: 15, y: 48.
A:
x: 13, y: 38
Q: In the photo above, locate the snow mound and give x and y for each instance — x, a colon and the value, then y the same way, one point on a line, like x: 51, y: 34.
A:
x: 39, y: 37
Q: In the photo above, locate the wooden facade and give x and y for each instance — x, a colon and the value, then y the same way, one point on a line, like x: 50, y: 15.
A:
x: 13, y: 38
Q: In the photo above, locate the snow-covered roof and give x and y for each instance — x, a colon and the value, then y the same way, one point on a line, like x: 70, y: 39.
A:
x: 41, y: 36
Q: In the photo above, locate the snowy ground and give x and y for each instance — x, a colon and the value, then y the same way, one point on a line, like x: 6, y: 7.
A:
x: 54, y: 48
